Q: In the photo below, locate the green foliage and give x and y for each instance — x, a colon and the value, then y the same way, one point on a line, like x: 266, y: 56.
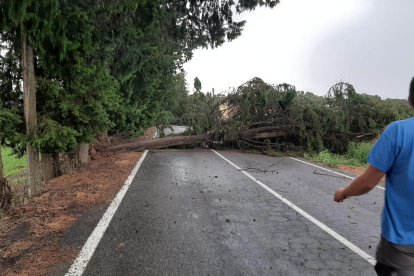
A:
x: 346, y: 116
x: 88, y: 94
x: 74, y: 85
x: 162, y: 121
x: 107, y: 66
x: 299, y: 121
x: 8, y: 120
x: 317, y: 100
x: 333, y: 160
x: 201, y: 112
x: 55, y: 138
x: 402, y: 102
x: 356, y: 155
x: 12, y: 164
x: 197, y: 85
x: 18, y: 182
x: 359, y: 151
x: 175, y: 96
x: 10, y: 77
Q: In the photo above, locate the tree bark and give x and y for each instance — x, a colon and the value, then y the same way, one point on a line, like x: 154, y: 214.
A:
x: 34, y: 177
x: 1, y: 165
x: 5, y: 192
x: 164, y: 142
x: 74, y: 159
x: 47, y: 167
x: 57, y: 166
x: 194, y: 139
x: 83, y: 153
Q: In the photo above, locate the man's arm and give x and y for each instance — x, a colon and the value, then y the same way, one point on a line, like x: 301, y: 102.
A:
x: 361, y: 185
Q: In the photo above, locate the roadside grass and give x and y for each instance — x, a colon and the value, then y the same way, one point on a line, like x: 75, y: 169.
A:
x: 19, y: 181
x: 12, y: 165
x: 356, y: 155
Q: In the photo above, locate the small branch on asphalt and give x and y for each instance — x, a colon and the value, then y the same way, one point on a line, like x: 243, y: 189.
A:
x: 260, y: 170
x: 328, y: 174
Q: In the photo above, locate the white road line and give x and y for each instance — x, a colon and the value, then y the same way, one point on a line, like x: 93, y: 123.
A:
x: 328, y: 230
x: 79, y: 266
x: 322, y: 168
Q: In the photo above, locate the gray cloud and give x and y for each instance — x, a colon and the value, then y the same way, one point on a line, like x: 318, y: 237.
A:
x: 313, y: 44
x: 376, y: 53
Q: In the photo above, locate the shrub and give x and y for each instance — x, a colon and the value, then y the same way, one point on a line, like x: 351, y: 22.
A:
x: 359, y: 151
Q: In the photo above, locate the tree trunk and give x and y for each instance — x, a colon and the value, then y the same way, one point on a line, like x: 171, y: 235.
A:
x: 74, y: 158
x: 195, y: 139
x: 34, y: 177
x: 57, y: 166
x: 5, y: 192
x: 83, y: 153
x: 1, y: 165
x: 47, y: 167
x: 164, y: 142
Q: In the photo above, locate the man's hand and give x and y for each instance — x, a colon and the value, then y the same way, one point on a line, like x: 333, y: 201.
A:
x: 339, y: 195
x: 361, y: 185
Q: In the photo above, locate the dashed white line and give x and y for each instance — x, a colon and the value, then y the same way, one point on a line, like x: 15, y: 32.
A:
x: 328, y: 230
x: 322, y: 168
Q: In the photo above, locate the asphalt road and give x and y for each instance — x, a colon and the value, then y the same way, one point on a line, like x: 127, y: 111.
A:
x: 190, y: 212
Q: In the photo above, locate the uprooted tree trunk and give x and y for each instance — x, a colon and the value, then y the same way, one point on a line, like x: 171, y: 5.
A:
x: 271, y: 132
x: 164, y: 142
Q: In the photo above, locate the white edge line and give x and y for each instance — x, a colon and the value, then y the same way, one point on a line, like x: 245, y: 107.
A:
x: 79, y: 266
x: 322, y: 168
x: 328, y: 230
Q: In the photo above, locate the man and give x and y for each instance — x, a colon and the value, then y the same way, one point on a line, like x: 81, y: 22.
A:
x: 393, y: 155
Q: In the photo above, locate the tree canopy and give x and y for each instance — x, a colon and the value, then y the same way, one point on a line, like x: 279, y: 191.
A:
x: 107, y: 66
x: 93, y: 67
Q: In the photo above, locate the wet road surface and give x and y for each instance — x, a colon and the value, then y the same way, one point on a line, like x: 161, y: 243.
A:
x: 191, y: 212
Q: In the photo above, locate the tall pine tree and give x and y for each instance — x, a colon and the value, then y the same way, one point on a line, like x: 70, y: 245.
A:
x: 90, y: 67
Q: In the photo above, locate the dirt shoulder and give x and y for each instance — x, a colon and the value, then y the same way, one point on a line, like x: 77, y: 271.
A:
x: 30, y: 234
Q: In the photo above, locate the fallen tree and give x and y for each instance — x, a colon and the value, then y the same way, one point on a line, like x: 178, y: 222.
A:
x: 271, y: 132
x: 261, y: 116
x: 163, y: 142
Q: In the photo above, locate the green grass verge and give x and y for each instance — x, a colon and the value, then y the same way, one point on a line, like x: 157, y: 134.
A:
x: 12, y: 165
x: 18, y: 181
x: 356, y: 155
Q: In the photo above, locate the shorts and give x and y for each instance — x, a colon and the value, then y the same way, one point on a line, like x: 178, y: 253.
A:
x: 394, y: 259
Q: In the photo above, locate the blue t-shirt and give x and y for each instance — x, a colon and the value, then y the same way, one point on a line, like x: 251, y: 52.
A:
x: 393, y: 154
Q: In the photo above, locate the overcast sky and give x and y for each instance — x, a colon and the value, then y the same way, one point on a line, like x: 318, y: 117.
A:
x: 313, y: 44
